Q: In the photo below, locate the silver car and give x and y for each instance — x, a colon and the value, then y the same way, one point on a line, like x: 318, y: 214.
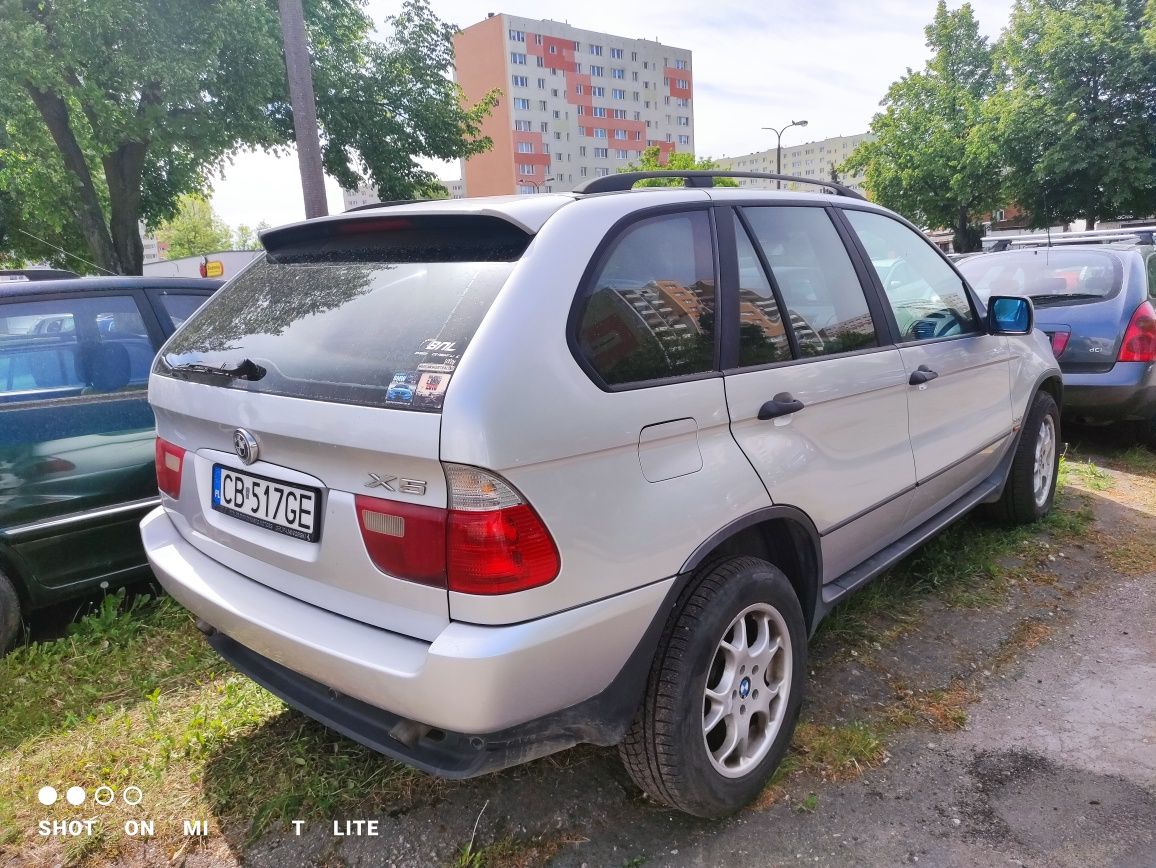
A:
x: 473, y: 481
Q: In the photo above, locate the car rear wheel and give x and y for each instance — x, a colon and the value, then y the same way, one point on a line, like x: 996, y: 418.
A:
x: 1030, y: 489
x: 724, y: 691
x: 9, y: 614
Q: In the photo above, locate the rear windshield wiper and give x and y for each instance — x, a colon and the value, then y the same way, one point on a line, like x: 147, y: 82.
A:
x: 246, y: 369
x: 1065, y: 296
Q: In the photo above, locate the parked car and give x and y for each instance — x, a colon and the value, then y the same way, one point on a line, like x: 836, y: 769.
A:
x: 76, y: 432
x: 642, y: 469
x: 1094, y: 303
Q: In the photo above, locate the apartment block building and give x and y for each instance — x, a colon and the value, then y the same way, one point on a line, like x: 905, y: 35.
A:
x: 808, y: 160
x: 366, y: 194
x: 574, y: 103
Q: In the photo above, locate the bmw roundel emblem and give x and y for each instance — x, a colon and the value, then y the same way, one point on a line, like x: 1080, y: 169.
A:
x: 245, y: 445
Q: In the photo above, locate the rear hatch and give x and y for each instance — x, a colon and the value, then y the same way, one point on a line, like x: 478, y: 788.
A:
x: 1077, y: 296
x: 314, y: 378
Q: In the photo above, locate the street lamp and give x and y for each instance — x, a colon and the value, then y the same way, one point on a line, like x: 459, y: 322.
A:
x: 532, y: 182
x: 779, y: 147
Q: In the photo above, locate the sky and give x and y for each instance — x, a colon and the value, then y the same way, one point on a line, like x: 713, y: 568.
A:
x: 755, y: 64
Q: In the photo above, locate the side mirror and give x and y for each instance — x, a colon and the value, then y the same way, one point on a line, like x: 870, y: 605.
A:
x: 1010, y: 315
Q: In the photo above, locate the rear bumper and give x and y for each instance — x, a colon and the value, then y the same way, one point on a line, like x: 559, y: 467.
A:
x: 1126, y: 392
x: 470, y: 680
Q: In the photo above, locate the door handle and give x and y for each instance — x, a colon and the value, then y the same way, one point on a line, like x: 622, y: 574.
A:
x: 783, y: 404
x: 921, y: 375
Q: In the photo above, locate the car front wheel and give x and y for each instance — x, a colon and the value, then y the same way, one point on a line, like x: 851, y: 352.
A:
x: 9, y: 614
x: 724, y: 691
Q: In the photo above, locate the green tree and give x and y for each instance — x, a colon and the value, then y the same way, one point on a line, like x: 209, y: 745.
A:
x: 195, y: 229
x: 650, y: 161
x: 248, y: 237
x: 1077, y: 119
x: 934, y: 156
x: 113, y: 109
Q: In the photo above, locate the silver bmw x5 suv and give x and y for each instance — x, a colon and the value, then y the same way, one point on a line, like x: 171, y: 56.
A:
x: 474, y: 481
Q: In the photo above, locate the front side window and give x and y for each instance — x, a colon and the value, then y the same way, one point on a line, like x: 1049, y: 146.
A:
x: 925, y: 294
x: 650, y: 310
x: 60, y: 348
x: 825, y: 301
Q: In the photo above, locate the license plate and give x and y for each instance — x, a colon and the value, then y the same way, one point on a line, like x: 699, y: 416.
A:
x: 268, y: 503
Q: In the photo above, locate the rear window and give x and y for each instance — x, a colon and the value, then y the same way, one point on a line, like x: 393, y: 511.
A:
x: 1044, y: 274
x: 358, y: 319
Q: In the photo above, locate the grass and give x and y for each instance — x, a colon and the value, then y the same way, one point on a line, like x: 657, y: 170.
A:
x: 133, y: 696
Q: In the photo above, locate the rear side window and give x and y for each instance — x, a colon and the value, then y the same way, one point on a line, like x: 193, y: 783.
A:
x: 181, y: 307
x: 650, y: 309
x: 825, y: 301
x: 379, y: 316
x: 61, y: 348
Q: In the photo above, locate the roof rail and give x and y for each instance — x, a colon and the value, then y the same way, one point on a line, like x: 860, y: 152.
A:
x: 1136, y: 234
x: 702, y: 178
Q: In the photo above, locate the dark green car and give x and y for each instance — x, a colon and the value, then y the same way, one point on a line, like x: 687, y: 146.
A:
x: 76, y: 432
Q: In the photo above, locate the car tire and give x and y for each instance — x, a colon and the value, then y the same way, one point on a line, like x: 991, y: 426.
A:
x: 10, y: 622
x: 1030, y: 489
x: 685, y: 747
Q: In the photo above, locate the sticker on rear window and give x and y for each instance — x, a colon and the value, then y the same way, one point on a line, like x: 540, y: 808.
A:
x: 402, y: 387
x: 431, y: 391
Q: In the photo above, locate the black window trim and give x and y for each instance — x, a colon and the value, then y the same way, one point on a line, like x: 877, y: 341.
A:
x: 586, y: 289
x: 977, y: 309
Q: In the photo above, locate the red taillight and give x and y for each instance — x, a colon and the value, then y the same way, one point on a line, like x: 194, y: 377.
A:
x: 1139, y: 343
x: 499, y: 552
x: 170, y: 463
x: 490, y: 541
x: 1060, y: 342
x: 404, y: 540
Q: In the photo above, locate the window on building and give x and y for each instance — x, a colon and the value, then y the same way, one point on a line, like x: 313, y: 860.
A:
x: 597, y: 71
x: 599, y: 133
x: 649, y: 312
x: 518, y: 58
x: 601, y: 153
x: 544, y: 127
x: 638, y: 135
x: 634, y: 56
x: 557, y: 114
x: 683, y: 83
x: 620, y: 114
x: 598, y: 112
x: 581, y: 150
x: 537, y: 38
x: 557, y: 137
x: 680, y: 64
x: 683, y: 121
x: 542, y: 105
x: 601, y: 172
x: 618, y: 73
x: 621, y: 154
x: 581, y: 131
x: 526, y: 190
x: 522, y: 126
x: 684, y: 140
x: 666, y: 81
x: 638, y: 116
x: 542, y: 85
x: 527, y: 168
x: 520, y: 81
x: 517, y: 36
x: 617, y: 93
x: 682, y: 102
x: 596, y: 50
x: 577, y: 45
x: 582, y: 172
x: 525, y: 147
x: 521, y: 102
x: 598, y: 91
x: 616, y: 53
x: 581, y: 110
x: 541, y: 62
x: 553, y: 91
